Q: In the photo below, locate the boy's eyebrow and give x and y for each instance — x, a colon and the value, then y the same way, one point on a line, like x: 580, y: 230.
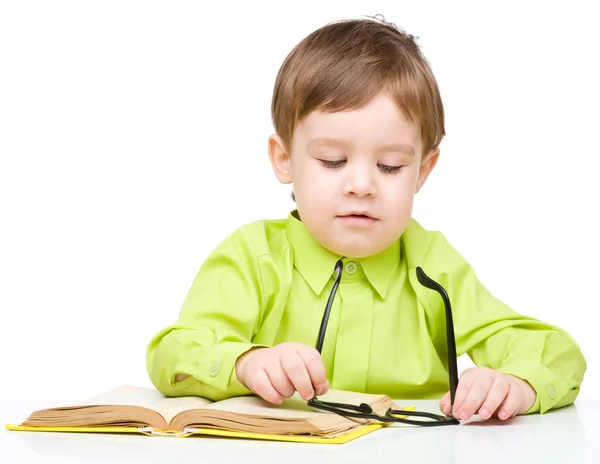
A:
x: 341, y: 143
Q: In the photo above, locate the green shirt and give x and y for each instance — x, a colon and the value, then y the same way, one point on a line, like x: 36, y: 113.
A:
x: 269, y: 282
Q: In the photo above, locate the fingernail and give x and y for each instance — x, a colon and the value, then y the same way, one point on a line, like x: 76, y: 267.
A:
x: 503, y: 415
x: 464, y: 415
x: 484, y: 413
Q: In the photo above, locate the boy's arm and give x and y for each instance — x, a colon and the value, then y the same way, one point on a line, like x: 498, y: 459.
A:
x: 220, y: 315
x: 495, y: 336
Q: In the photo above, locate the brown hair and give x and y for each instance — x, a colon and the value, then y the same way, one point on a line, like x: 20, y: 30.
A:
x: 344, y: 64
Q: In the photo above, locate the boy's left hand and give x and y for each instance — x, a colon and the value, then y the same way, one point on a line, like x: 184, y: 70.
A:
x: 489, y: 393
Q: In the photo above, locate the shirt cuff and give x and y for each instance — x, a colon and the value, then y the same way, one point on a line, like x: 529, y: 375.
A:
x: 549, y: 388
x: 215, y: 370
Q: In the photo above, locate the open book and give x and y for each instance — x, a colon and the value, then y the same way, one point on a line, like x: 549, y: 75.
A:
x: 147, y: 411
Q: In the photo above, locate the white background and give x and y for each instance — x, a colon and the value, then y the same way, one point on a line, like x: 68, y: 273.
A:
x: 133, y: 139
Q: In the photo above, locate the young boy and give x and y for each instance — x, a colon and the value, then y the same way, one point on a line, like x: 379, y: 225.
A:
x: 358, y: 119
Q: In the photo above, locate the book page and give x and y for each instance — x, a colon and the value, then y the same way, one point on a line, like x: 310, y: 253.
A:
x: 147, y: 398
x: 295, y: 407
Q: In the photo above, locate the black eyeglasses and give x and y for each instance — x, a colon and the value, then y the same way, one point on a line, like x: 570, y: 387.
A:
x: 364, y: 411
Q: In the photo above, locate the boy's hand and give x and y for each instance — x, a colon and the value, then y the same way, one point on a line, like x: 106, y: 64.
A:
x: 276, y: 373
x: 489, y: 393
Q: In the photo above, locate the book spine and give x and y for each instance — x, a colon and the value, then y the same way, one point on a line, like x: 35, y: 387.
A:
x: 166, y: 433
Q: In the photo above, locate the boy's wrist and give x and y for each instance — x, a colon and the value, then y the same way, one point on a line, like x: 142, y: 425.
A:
x: 242, y: 361
x: 528, y: 393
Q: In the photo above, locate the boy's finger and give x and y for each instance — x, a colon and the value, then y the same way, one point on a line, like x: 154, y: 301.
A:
x: 462, y: 390
x: 261, y: 385
x: 279, y: 380
x: 511, y: 403
x: 475, y: 398
x: 495, y: 397
x: 323, y: 388
x: 445, y: 404
x: 316, y: 370
x: 295, y: 369
x: 461, y: 393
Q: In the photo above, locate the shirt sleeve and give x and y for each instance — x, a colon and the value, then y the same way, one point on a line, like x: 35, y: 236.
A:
x: 495, y: 336
x: 216, y: 324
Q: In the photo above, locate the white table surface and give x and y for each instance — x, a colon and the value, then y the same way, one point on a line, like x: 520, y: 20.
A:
x: 568, y: 435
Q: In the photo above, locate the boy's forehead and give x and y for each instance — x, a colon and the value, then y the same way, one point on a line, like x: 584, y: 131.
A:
x: 380, y: 110
x: 345, y: 143
x: 382, y: 122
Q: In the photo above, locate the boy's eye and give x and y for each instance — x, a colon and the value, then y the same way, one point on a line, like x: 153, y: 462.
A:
x: 332, y: 163
x: 389, y: 169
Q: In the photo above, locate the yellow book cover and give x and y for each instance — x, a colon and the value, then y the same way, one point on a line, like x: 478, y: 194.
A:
x: 140, y: 410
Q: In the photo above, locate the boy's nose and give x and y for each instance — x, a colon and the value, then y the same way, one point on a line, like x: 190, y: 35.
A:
x: 360, y: 183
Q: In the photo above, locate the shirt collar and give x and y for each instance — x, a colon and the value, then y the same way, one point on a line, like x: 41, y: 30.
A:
x: 316, y: 263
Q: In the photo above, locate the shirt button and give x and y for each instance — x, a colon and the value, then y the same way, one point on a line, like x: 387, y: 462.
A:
x: 214, y: 369
x: 351, y: 267
x: 551, y: 392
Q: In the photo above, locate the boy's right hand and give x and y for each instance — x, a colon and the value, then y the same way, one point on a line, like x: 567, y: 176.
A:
x: 276, y: 373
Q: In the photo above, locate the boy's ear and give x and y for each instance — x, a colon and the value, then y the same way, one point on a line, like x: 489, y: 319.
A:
x: 426, y: 167
x: 280, y: 159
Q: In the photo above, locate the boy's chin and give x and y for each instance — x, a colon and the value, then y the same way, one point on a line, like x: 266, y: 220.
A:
x: 355, y: 250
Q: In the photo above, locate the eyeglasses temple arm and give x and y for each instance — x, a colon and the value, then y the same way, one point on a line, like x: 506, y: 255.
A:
x: 426, y: 281
x: 338, y: 275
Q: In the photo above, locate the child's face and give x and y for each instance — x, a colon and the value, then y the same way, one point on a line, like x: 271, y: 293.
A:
x: 355, y: 174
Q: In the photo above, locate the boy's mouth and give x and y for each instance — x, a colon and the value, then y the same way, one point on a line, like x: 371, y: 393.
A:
x: 358, y: 219
x: 357, y: 215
